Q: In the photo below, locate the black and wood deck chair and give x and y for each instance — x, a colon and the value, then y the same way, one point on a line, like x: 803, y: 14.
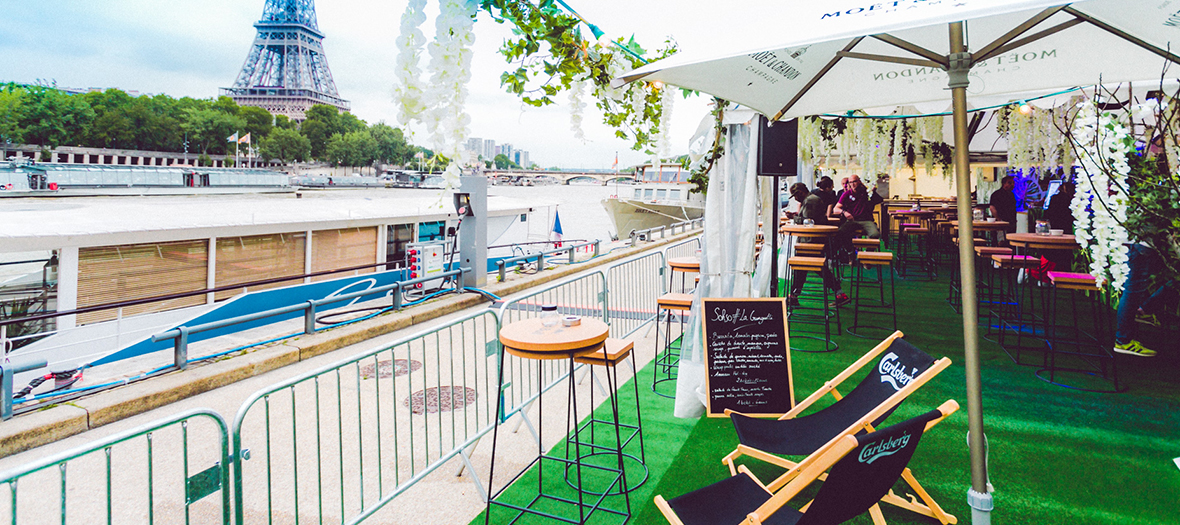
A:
x: 899, y: 369
x: 863, y: 469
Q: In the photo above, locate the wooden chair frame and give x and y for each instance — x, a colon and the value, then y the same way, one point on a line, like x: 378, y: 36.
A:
x: 922, y: 503
x: 815, y: 470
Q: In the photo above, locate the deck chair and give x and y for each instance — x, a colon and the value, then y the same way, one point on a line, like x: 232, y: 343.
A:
x: 900, y: 369
x: 863, y: 469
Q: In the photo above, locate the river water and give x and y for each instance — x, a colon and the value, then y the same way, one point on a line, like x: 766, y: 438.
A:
x: 579, y: 208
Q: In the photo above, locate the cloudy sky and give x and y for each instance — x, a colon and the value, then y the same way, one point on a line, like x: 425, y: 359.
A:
x: 193, y: 47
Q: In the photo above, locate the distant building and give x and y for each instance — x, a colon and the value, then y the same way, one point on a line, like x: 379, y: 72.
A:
x: 489, y: 149
x: 474, y: 145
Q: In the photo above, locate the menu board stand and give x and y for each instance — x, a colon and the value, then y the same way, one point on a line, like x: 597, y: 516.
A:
x: 747, y: 356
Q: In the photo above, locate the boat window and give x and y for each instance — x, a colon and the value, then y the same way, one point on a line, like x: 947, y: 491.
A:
x: 638, y: 193
x: 432, y: 231
x: 661, y: 194
x: 674, y: 195
x: 647, y: 193
x: 399, y: 235
x: 110, y: 274
x: 29, y: 287
x: 344, y: 248
x: 258, y: 257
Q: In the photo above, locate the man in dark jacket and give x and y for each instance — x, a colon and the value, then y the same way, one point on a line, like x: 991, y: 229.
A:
x: 1003, y: 203
x: 812, y: 207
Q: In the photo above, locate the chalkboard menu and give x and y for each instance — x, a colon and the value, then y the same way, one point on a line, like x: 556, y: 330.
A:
x: 747, y: 356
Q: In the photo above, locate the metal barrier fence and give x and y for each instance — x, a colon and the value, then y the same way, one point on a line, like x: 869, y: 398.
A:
x: 340, y: 442
x: 503, y: 264
x: 169, y: 475
x: 584, y: 296
x: 643, y: 282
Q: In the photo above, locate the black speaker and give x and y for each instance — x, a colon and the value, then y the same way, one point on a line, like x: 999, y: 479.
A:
x: 778, y: 147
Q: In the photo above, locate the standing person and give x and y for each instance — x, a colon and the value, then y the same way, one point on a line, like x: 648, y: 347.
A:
x: 1003, y: 203
x: 1142, y: 260
x: 823, y: 190
x: 812, y: 207
x: 856, y: 205
x: 1059, y: 214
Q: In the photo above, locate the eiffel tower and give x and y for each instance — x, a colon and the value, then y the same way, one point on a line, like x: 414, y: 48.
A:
x: 286, y: 71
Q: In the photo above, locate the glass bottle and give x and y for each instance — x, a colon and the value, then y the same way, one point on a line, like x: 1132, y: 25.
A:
x: 549, y: 315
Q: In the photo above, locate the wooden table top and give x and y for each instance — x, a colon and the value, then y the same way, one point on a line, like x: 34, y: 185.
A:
x: 985, y: 225
x: 912, y: 212
x: 530, y: 339
x: 1044, y: 242
x: 818, y: 230
x: 685, y: 264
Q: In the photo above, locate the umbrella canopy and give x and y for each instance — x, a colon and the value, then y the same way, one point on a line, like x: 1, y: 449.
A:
x: 834, y: 56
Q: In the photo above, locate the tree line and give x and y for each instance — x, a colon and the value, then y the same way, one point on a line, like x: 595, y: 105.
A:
x: 49, y: 117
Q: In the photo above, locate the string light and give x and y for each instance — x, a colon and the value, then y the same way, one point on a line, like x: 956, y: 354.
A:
x: 1025, y: 108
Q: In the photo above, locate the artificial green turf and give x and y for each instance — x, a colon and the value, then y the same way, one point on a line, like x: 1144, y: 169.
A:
x: 1057, y: 455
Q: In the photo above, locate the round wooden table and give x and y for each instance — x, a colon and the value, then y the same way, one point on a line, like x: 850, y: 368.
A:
x: 991, y: 227
x: 817, y: 230
x: 1033, y: 241
x: 529, y: 339
x: 685, y: 264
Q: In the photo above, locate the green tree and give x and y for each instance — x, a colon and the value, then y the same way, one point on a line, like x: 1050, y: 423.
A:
x: 286, y: 145
x: 503, y: 162
x: 323, y: 122
x: 356, y: 148
x: 392, y: 147
x: 285, y: 122
x: 11, y: 107
x: 209, y: 128
x: 51, y: 117
x: 227, y: 105
x: 258, y: 122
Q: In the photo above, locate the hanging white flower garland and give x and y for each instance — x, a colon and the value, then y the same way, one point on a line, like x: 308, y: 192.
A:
x: 450, y: 68
x: 408, y: 93
x: 664, y: 143
x: 577, y: 108
x: 1100, y: 201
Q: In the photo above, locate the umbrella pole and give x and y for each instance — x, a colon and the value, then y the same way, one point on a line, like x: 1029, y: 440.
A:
x: 978, y: 496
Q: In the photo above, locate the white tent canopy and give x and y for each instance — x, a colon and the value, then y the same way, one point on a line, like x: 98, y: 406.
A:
x: 822, y: 60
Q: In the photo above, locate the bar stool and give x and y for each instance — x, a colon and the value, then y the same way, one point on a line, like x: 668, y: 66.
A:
x: 953, y: 291
x: 668, y: 357
x: 809, y: 249
x: 1016, y: 313
x: 1090, y: 353
x: 915, y: 249
x: 614, y: 351
x: 879, y: 261
x: 822, y: 314
x: 985, y: 276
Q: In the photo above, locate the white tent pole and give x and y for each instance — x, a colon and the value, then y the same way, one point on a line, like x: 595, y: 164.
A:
x: 978, y: 496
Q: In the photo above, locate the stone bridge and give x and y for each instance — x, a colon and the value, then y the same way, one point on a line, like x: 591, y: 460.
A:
x: 565, y: 177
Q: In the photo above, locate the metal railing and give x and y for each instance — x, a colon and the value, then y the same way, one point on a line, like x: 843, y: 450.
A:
x: 642, y: 279
x: 503, y: 264
x: 180, y: 335
x: 664, y: 231
x: 340, y: 442
x: 168, y: 476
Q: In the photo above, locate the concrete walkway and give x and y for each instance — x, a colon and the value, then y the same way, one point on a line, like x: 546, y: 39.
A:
x: 322, y: 481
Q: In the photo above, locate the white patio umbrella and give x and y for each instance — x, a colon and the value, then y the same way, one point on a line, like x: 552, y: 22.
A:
x: 827, y: 56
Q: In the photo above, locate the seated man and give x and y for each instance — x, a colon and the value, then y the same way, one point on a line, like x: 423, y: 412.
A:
x: 811, y: 206
x: 856, y: 205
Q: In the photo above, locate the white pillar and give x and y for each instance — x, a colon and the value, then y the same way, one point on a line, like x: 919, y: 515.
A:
x: 67, y: 286
x: 382, y: 241
x: 211, y: 271
x: 307, y: 257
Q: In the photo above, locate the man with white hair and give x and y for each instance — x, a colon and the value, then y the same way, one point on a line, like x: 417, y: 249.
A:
x: 856, y: 206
